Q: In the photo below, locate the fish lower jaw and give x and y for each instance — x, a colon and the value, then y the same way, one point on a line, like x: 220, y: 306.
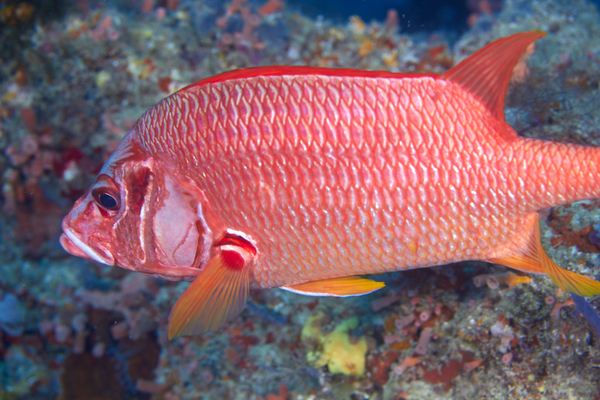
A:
x: 72, y: 244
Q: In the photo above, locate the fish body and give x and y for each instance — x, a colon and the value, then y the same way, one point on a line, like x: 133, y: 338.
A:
x: 300, y: 178
x: 333, y: 176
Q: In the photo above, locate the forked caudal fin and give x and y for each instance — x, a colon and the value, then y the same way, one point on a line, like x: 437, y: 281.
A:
x: 535, y: 260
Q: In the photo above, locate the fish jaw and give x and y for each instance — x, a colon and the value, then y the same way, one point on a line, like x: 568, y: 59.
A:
x: 76, y: 230
x: 73, y: 245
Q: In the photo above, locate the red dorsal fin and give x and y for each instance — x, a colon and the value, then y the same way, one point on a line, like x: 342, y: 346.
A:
x: 486, y: 73
x: 284, y: 70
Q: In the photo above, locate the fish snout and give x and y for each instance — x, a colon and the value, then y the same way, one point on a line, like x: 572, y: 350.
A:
x: 75, y: 245
x: 70, y: 248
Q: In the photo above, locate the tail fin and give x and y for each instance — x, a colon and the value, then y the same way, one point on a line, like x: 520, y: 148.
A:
x: 534, y: 259
x: 568, y: 280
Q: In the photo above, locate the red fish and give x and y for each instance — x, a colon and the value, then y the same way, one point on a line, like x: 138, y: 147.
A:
x: 302, y: 178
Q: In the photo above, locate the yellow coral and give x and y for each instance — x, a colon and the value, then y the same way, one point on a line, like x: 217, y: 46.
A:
x: 335, y: 349
x: 102, y: 78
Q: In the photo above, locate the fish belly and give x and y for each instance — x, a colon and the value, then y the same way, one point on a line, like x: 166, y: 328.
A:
x: 336, y: 176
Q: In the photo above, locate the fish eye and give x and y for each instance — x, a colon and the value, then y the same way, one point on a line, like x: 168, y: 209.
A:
x: 106, y: 199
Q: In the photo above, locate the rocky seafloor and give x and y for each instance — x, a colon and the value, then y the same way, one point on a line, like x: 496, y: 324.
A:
x: 75, y: 76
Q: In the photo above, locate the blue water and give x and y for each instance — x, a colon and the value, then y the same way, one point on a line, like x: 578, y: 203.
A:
x: 415, y: 15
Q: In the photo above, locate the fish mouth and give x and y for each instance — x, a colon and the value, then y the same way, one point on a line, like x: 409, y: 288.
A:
x: 75, y: 246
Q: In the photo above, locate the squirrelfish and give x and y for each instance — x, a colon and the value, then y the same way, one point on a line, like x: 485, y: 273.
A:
x: 303, y: 178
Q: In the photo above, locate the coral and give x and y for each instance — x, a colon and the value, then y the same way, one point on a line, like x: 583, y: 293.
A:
x: 379, y: 366
x: 341, y: 353
x: 567, y: 236
x: 405, y: 321
x: 132, y: 301
x: 15, y: 14
x: 246, y: 38
x: 385, y: 301
x: 406, y: 363
x: 22, y: 373
x: 71, y: 89
x: 282, y: 395
x: 555, y: 313
x: 12, y: 315
x: 113, y: 374
x: 505, y: 332
x: 450, y: 371
x: 270, y: 7
x: 423, y: 342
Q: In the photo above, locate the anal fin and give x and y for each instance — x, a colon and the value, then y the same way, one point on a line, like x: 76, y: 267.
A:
x: 338, y: 287
x: 216, y: 296
x: 534, y: 259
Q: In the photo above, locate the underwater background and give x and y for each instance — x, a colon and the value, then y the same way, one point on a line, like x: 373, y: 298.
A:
x: 76, y: 75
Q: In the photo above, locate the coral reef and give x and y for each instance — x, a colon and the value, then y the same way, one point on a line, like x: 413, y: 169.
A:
x: 341, y: 353
x: 74, y: 80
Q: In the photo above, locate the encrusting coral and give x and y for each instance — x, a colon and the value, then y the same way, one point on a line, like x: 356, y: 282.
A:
x: 341, y: 353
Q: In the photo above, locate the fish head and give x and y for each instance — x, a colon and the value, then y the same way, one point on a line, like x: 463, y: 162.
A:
x: 140, y: 215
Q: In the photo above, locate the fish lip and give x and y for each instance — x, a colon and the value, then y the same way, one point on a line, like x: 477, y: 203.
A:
x: 72, y: 244
x: 70, y: 248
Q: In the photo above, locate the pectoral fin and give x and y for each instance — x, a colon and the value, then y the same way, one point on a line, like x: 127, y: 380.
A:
x: 216, y: 296
x: 535, y: 260
x: 338, y: 287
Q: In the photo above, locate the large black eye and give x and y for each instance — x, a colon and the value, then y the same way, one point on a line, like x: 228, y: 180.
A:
x: 107, y: 200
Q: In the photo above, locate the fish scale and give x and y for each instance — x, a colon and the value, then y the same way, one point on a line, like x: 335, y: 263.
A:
x: 341, y: 151
x: 302, y: 178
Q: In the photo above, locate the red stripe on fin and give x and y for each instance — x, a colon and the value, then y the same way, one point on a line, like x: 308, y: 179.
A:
x: 338, y: 287
x: 216, y: 296
x: 282, y: 70
x: 535, y: 260
x: 487, y: 72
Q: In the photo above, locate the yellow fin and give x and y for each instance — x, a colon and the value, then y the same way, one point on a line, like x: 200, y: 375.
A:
x: 337, y: 287
x: 535, y: 260
x: 216, y: 296
x: 571, y: 281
